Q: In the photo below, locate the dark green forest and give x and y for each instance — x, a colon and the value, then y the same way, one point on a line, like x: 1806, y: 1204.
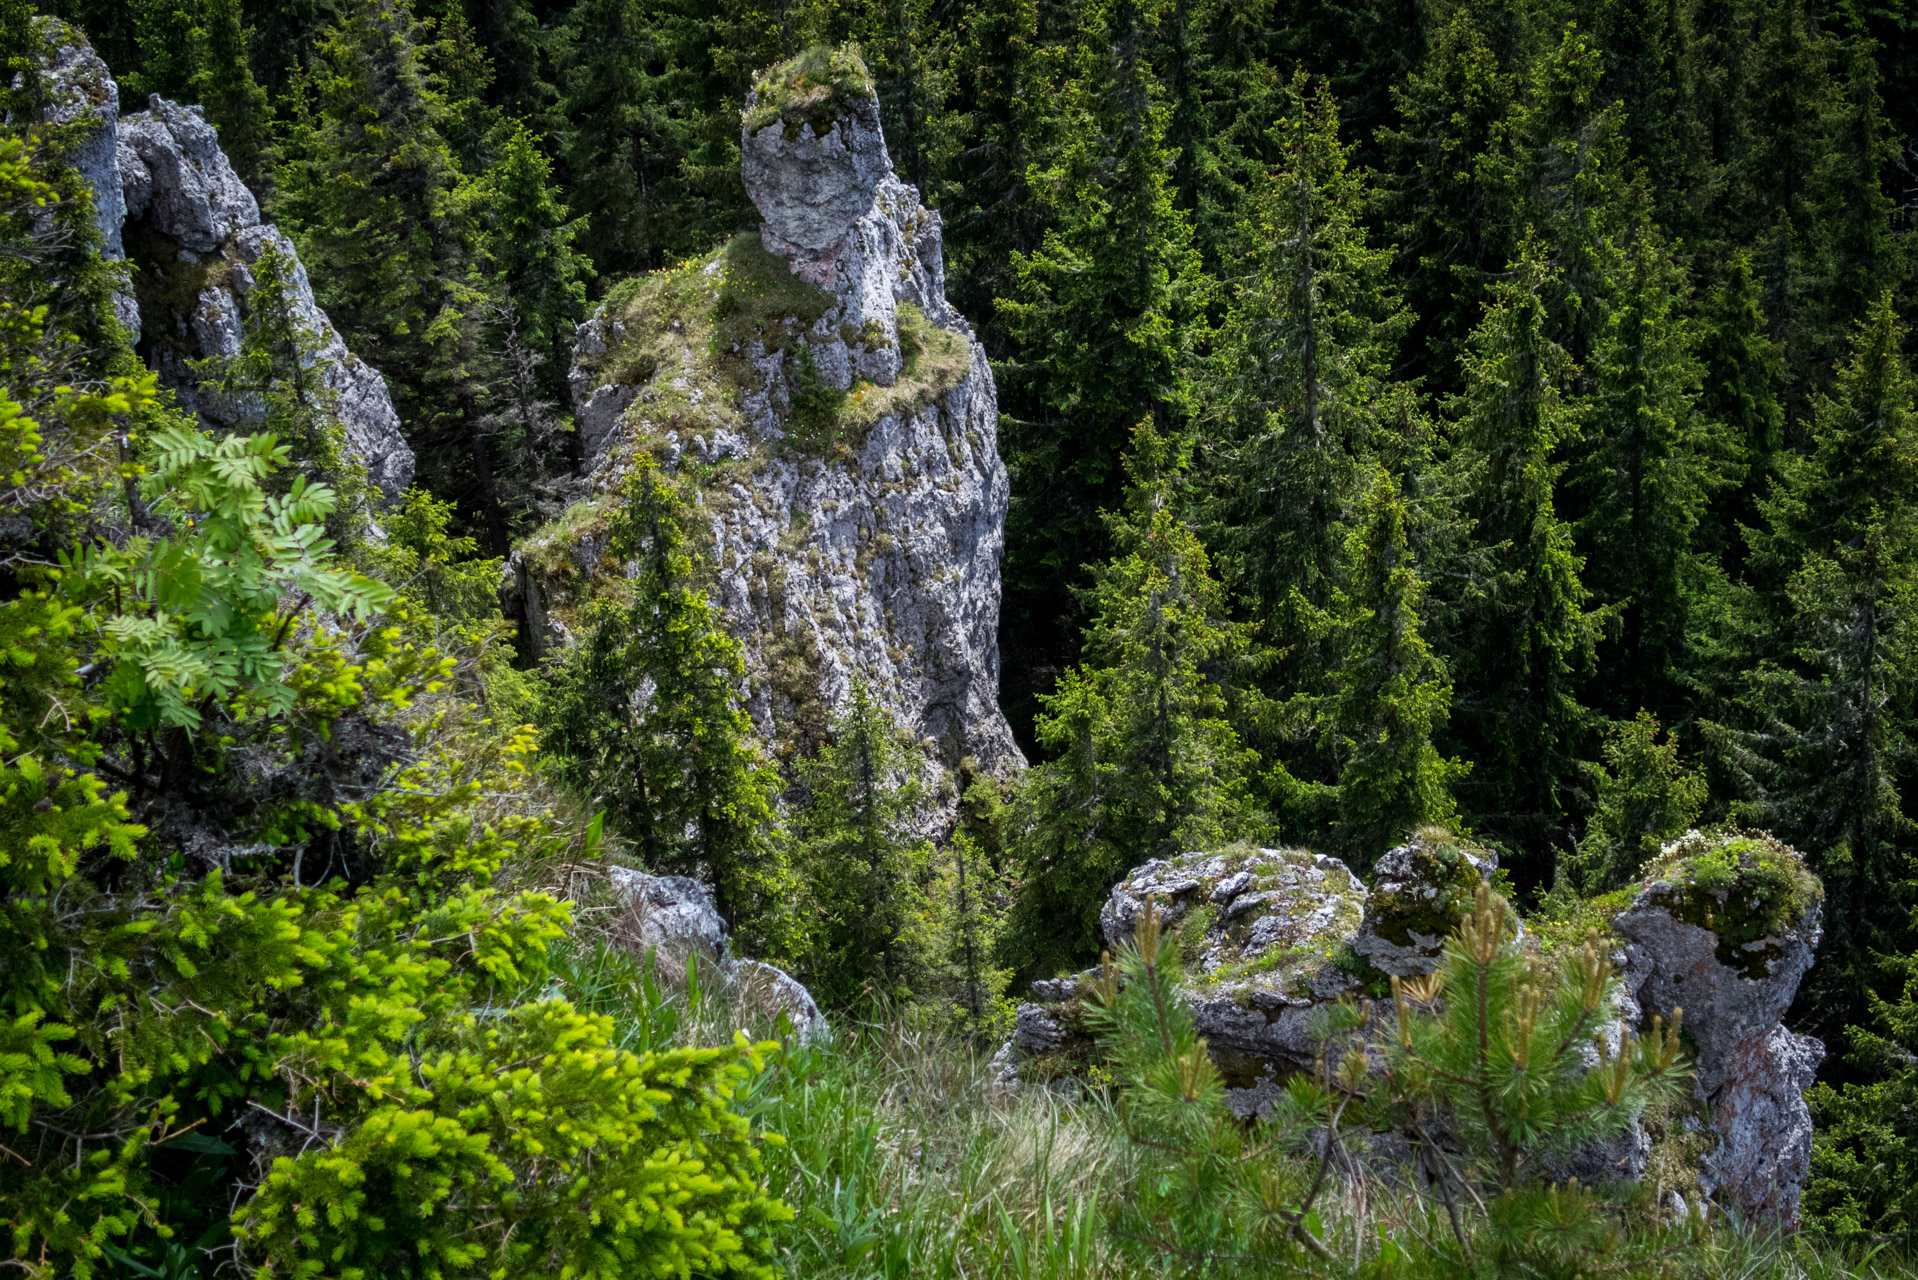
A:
x: 1491, y: 416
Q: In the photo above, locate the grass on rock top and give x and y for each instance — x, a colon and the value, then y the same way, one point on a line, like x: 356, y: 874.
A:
x: 810, y: 88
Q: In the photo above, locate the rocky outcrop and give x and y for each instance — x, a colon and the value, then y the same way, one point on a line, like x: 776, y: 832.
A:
x: 82, y: 96
x: 842, y: 421
x: 194, y: 233
x: 167, y: 200
x: 1266, y: 937
x: 1725, y: 928
x: 672, y: 920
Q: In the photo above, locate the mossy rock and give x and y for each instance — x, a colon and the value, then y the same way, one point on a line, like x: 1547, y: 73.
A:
x: 1420, y: 891
x: 1748, y: 887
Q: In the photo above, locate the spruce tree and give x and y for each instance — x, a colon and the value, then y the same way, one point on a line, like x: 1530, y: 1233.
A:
x: 651, y: 134
x: 862, y: 862
x: 1741, y: 374
x: 1646, y: 468
x: 1645, y: 797
x: 369, y: 186
x: 1457, y: 182
x: 1098, y: 313
x: 1391, y: 692
x: 642, y: 717
x: 1831, y: 743
x: 234, y: 100
x: 1301, y: 380
x: 1522, y: 632
x: 1146, y: 762
x: 276, y: 381
x: 1302, y: 373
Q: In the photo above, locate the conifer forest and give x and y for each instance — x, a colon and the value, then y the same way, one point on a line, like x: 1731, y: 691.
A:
x: 1046, y: 639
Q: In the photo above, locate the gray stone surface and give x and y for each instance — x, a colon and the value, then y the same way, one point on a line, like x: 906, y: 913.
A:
x: 81, y: 91
x: 672, y: 916
x: 766, y: 991
x: 182, y: 196
x: 1420, y: 891
x: 1751, y: 1071
x: 1269, y: 954
x: 675, y: 921
x: 880, y: 563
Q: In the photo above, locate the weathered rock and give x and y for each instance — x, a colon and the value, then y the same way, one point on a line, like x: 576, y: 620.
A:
x: 767, y: 991
x: 1725, y: 928
x: 1266, y: 935
x: 843, y: 421
x: 193, y: 231
x: 82, y: 95
x: 672, y: 917
x: 1420, y: 891
x: 674, y: 921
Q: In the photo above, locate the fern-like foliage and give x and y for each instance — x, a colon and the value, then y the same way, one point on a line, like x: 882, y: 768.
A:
x: 200, y: 613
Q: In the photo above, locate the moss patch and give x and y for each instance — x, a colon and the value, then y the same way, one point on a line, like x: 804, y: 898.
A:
x: 812, y: 88
x: 1745, y: 886
x: 936, y: 361
x: 1435, y: 895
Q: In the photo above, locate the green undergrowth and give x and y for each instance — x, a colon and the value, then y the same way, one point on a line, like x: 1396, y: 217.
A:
x: 810, y: 88
x: 901, y: 1156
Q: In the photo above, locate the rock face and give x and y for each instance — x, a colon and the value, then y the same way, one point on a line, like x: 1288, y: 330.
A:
x: 1725, y: 928
x: 194, y: 233
x: 843, y: 423
x: 82, y: 95
x: 167, y: 199
x: 673, y: 918
x: 1266, y: 935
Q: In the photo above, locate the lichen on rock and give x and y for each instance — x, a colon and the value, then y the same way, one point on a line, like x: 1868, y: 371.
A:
x: 1420, y: 891
x: 168, y: 201
x: 1265, y: 936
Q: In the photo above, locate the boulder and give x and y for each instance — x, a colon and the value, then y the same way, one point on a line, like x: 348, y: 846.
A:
x: 1420, y: 891
x: 767, y: 991
x: 1266, y: 935
x: 672, y: 917
x: 675, y: 920
x: 1724, y: 928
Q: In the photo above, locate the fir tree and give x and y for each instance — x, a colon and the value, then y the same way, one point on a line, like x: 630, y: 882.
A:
x: 1523, y: 629
x: 234, y: 100
x: 642, y: 715
x: 370, y: 186
x: 1098, y: 312
x: 862, y: 863
x: 1831, y: 740
x: 1146, y: 762
x: 1392, y: 693
x: 1646, y: 796
x: 1645, y: 471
